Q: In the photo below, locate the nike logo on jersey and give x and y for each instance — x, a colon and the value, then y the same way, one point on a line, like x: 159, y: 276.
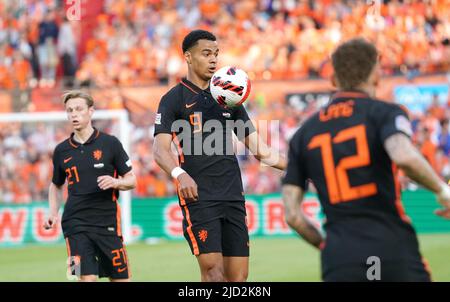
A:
x: 67, y: 160
x: 121, y: 269
x: 190, y: 105
x: 99, y: 166
x: 226, y: 114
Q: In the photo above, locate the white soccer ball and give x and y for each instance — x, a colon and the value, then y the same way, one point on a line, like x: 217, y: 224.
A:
x: 230, y: 86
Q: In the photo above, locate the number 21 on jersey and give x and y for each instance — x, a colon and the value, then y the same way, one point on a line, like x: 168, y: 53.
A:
x: 337, y: 181
x: 70, y: 175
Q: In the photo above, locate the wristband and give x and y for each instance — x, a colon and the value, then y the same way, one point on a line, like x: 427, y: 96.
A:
x: 445, y: 191
x: 177, y: 171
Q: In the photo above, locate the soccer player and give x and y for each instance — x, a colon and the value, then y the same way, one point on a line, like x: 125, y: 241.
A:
x: 91, y: 161
x: 351, y: 150
x: 209, y: 185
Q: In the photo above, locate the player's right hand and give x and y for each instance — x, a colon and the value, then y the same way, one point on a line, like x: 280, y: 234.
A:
x: 444, y: 199
x: 443, y: 196
x: 50, y: 222
x: 187, y: 187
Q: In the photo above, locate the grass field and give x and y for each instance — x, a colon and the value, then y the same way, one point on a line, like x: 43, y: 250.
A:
x: 270, y: 260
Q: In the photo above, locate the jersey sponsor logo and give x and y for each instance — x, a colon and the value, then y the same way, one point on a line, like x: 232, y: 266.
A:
x: 203, y: 235
x: 403, y: 124
x: 190, y: 105
x: 158, y: 119
x: 99, y: 166
x: 128, y: 163
x: 67, y: 160
x: 97, y: 154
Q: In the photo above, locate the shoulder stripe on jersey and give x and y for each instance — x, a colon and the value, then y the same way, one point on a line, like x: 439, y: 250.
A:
x: 188, y: 87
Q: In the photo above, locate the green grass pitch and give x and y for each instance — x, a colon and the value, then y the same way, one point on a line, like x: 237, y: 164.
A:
x: 284, y: 259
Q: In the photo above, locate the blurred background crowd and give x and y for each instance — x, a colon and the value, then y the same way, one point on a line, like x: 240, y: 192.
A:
x: 137, y: 43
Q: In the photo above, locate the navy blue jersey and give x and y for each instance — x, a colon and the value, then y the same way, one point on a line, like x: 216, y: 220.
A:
x: 341, y: 150
x: 89, y: 208
x: 217, y: 173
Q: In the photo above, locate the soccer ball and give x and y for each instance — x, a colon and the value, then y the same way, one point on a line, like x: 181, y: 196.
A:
x: 230, y: 86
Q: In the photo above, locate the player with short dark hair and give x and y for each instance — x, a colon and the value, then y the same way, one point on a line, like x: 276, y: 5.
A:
x: 209, y: 184
x: 194, y: 36
x: 96, y: 167
x: 351, y: 150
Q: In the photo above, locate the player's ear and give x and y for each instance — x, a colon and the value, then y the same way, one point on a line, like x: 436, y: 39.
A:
x: 188, y: 57
x: 378, y: 75
x: 375, y: 75
x: 333, y: 80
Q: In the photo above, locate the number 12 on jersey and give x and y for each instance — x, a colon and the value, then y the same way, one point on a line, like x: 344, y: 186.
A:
x: 337, y: 182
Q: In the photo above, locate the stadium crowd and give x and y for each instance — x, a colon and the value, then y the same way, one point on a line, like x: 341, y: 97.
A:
x: 25, y: 165
x: 138, y: 42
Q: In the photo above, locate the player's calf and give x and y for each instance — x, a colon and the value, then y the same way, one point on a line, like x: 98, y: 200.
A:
x: 236, y: 269
x: 211, y: 267
x: 213, y: 274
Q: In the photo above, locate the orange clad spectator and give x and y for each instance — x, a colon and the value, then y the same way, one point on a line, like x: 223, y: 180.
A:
x: 137, y: 58
x: 144, y: 183
x: 6, y: 81
x: 33, y: 32
x: 160, y: 188
x: 22, y: 71
x: 209, y: 9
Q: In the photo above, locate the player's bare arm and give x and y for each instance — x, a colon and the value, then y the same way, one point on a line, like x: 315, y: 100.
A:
x: 164, y: 158
x: 124, y: 183
x: 54, y: 200
x: 292, y: 198
x: 403, y: 153
x: 263, y: 152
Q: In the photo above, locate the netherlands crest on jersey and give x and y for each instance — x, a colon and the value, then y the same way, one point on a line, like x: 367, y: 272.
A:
x: 97, y: 154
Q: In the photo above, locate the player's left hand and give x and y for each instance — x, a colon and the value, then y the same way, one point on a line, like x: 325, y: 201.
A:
x: 106, y: 182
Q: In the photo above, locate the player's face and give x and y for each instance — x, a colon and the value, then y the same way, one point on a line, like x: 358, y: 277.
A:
x: 202, y: 58
x: 79, y: 113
